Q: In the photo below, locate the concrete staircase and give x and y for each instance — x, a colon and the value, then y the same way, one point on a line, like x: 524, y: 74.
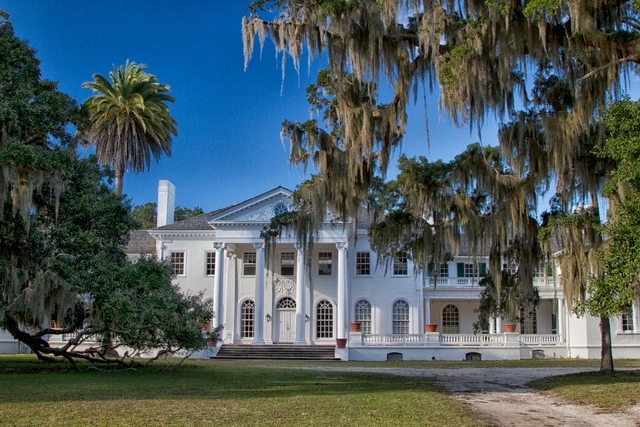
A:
x: 277, y: 352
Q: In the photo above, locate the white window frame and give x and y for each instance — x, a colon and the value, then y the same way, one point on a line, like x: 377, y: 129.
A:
x: 183, y: 263
x: 401, y: 317
x: 288, y: 259
x: 363, y: 263
x: 450, y: 319
x: 400, y: 267
x: 362, y: 314
x: 325, y: 325
x: 325, y: 258
x: 209, y: 267
x: 246, y: 262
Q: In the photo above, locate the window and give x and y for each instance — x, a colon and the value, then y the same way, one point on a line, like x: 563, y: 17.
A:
x: 325, y: 260
x: 247, y: 319
x: 400, y: 265
x: 287, y: 260
x: 528, y: 322
x: 401, y: 317
x: 444, y: 270
x: 177, y: 262
x: 363, y: 315
x: 324, y: 322
x: 363, y: 263
x: 249, y: 264
x: 510, y: 268
x: 450, y: 319
x: 211, y: 263
x: 286, y: 303
x: 627, y: 322
x: 469, y: 270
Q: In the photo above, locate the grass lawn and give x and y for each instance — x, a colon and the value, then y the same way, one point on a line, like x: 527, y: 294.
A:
x: 612, y: 392
x: 217, y: 393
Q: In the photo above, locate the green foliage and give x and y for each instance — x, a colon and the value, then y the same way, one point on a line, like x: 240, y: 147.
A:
x: 129, y: 119
x: 62, y: 267
x: 145, y: 216
x: 181, y: 213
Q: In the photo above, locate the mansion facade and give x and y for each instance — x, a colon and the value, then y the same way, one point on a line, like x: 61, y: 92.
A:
x: 276, y: 298
x: 265, y: 299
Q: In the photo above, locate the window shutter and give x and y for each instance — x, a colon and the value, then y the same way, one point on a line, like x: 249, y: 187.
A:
x: 461, y: 269
x: 549, y: 270
x: 483, y: 269
x: 431, y: 268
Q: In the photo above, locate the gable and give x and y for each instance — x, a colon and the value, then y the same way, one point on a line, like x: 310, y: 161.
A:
x: 258, y: 210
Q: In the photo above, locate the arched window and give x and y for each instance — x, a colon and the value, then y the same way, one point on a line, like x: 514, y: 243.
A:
x: 528, y: 322
x: 286, y: 303
x: 450, y: 319
x: 247, y: 319
x: 401, y: 317
x: 363, y: 315
x: 324, y: 319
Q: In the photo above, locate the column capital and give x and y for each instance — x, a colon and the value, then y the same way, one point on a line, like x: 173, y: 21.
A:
x: 258, y: 245
x: 219, y: 246
x: 342, y: 246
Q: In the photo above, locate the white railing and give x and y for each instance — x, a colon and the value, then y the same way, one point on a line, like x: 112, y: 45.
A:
x: 489, y: 340
x: 395, y: 339
x: 539, y: 339
x: 468, y: 282
x: 472, y: 339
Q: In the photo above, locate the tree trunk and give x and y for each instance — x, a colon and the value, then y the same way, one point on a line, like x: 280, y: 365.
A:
x: 606, y: 357
x: 119, y: 177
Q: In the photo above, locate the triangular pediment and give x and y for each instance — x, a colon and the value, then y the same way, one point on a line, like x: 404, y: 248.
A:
x: 258, y: 210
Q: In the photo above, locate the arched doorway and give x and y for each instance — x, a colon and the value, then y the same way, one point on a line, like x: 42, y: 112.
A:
x: 286, y: 320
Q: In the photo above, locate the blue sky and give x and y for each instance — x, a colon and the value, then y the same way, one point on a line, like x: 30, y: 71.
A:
x: 228, y: 148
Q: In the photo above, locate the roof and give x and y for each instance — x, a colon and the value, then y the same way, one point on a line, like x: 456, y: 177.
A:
x: 140, y: 242
x: 198, y: 222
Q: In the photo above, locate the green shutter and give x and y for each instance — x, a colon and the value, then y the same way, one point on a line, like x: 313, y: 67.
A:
x: 461, y: 269
x: 549, y: 270
x: 431, y: 268
x: 483, y: 269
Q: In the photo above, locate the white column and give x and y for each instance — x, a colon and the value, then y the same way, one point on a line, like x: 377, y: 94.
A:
x: 492, y: 324
x: 342, y: 290
x: 259, y: 331
x: 560, y: 320
x: 217, y: 283
x: 301, y: 297
x: 498, y: 325
x: 634, y: 313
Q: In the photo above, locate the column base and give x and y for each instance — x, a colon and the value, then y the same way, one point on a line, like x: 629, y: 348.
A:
x: 301, y: 342
x: 258, y: 341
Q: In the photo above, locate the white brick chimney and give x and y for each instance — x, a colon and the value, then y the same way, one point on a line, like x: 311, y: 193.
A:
x: 166, y: 202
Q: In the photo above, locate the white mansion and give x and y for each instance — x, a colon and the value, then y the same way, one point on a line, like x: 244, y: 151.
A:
x: 265, y: 300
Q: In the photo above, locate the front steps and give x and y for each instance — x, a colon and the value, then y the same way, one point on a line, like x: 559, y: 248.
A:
x: 277, y: 352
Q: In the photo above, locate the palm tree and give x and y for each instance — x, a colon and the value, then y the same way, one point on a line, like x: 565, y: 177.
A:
x: 129, y: 119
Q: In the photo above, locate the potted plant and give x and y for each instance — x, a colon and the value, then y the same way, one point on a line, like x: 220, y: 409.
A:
x: 355, y: 326
x: 431, y: 327
x: 213, y: 336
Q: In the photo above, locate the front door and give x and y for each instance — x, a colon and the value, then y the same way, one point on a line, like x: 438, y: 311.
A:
x: 286, y: 325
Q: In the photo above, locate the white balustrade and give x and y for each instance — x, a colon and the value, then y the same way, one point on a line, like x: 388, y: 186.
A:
x: 496, y: 340
x: 539, y: 339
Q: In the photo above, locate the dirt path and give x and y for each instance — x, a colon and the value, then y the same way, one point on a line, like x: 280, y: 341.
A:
x: 503, y: 398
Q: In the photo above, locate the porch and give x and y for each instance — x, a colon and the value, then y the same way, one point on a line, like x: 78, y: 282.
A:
x: 438, y: 346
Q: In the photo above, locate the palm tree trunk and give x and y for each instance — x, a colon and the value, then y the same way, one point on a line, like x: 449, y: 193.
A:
x: 119, y: 176
x: 606, y: 357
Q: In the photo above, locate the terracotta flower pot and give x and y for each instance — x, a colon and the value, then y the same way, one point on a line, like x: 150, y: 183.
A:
x: 431, y: 327
x: 212, y: 343
x: 355, y: 326
x: 341, y: 342
x: 509, y: 327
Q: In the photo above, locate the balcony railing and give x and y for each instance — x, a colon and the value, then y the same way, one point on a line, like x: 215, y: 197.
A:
x: 475, y: 340
x: 469, y: 282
